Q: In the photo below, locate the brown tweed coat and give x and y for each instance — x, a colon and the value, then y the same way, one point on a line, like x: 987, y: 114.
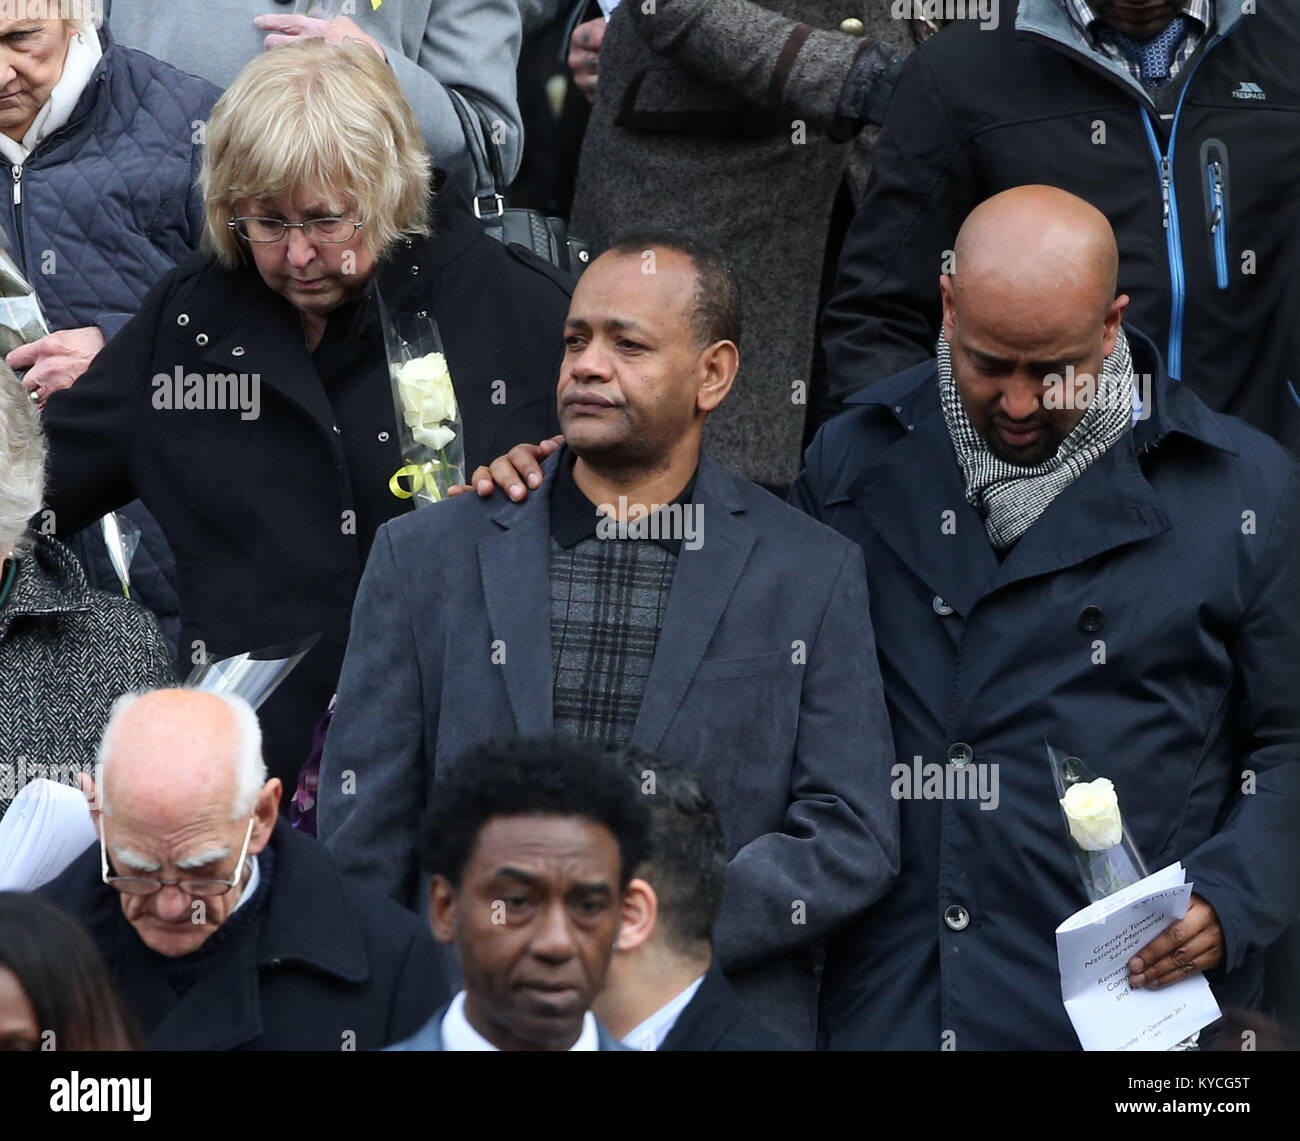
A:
x: 711, y: 117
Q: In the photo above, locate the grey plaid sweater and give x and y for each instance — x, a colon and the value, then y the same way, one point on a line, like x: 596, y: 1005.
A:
x: 66, y: 653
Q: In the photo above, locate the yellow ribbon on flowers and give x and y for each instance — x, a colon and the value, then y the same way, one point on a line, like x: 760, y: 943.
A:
x: 421, y: 476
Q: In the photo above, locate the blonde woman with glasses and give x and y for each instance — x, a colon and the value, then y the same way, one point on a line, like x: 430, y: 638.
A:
x: 249, y: 405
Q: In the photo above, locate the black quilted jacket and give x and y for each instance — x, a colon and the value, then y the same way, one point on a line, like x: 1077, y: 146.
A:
x: 66, y: 653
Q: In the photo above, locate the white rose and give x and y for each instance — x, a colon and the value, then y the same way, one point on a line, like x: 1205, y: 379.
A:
x: 1092, y: 809
x: 428, y: 398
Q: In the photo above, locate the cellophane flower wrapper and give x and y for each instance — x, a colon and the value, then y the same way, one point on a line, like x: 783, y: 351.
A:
x: 22, y: 320
x: 1102, y: 872
x: 121, y: 540
x: 430, y: 436
x: 253, y: 675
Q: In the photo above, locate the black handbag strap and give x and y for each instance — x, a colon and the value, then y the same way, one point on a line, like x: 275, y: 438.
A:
x: 489, y: 201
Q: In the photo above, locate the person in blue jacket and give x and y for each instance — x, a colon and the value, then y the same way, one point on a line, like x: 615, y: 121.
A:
x: 1178, y: 119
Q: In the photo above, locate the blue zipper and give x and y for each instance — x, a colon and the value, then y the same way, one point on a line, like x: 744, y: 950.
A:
x: 1219, y: 226
x: 1173, y: 233
x: 1177, y: 279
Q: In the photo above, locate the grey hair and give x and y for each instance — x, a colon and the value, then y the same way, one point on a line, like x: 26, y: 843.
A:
x: 250, y: 768
x: 22, y: 462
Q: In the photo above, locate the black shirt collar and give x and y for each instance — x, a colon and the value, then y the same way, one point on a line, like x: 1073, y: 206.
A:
x: 574, y: 517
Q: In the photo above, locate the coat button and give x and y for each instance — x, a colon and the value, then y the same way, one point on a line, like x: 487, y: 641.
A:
x: 237, y: 351
x: 415, y: 269
x: 183, y: 319
x: 383, y: 437
x: 853, y: 27
x: 1091, y: 619
x: 940, y: 607
x: 337, y: 430
x: 957, y: 917
x: 201, y: 339
x: 423, y: 313
x: 960, y: 753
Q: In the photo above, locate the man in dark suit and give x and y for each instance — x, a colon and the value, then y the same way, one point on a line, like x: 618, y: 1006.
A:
x: 663, y: 991
x: 532, y: 844
x: 725, y: 630
x: 224, y: 928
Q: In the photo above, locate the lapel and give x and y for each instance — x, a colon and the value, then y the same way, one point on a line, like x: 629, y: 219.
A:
x: 514, y: 566
x: 222, y: 1011
x: 251, y: 329
x: 705, y: 1018
x: 702, y: 586
x: 1109, y: 506
x: 914, y: 496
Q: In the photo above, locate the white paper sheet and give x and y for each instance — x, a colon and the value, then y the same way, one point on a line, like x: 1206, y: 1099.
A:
x: 47, y: 826
x: 1094, y: 946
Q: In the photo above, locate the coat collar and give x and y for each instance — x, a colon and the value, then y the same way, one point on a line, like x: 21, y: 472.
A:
x: 913, y: 492
x: 49, y: 581
x: 429, y: 1036
x: 514, y: 564
x: 233, y: 322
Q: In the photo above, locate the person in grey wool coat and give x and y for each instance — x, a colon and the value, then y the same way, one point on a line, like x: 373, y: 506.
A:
x: 729, y: 120
x: 434, y: 47
x: 66, y: 651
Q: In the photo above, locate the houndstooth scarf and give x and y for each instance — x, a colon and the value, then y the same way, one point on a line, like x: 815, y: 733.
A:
x: 1011, y: 497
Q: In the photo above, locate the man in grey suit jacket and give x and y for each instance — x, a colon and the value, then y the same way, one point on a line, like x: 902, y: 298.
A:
x: 434, y: 47
x: 725, y: 631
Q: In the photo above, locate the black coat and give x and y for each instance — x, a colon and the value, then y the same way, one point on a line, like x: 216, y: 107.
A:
x: 715, y: 1020
x: 978, y: 111
x: 258, y: 511
x: 332, y: 957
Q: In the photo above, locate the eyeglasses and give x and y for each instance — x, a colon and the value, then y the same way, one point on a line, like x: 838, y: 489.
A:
x: 268, y: 230
x: 147, y: 885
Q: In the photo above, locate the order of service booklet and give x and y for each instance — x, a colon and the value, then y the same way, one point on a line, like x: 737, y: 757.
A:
x: 1094, y: 946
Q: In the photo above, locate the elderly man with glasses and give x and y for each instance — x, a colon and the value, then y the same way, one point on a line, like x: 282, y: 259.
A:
x: 224, y: 928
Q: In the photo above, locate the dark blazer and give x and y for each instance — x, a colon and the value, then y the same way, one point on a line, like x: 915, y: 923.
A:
x: 332, y: 959
x: 262, y: 513
x: 715, y: 1020
x: 1147, y: 623
x: 429, y: 1036
x: 764, y: 681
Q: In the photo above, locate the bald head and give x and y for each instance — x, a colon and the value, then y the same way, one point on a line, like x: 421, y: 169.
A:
x: 180, y: 754
x: 1030, y: 312
x: 1040, y: 247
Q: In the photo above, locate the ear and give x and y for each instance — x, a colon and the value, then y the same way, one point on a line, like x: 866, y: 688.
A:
x: 87, y: 784
x: 948, y: 293
x: 640, y: 910
x: 267, y: 813
x: 1112, y: 320
x: 720, y: 362
x: 442, y: 909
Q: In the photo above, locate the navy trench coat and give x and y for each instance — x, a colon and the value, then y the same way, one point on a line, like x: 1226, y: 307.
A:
x: 1147, y: 622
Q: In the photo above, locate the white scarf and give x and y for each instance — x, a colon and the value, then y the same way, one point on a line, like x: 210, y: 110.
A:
x: 84, y: 54
x: 1011, y: 497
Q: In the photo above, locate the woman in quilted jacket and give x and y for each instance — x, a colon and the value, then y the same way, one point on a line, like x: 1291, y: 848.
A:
x: 102, y: 146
